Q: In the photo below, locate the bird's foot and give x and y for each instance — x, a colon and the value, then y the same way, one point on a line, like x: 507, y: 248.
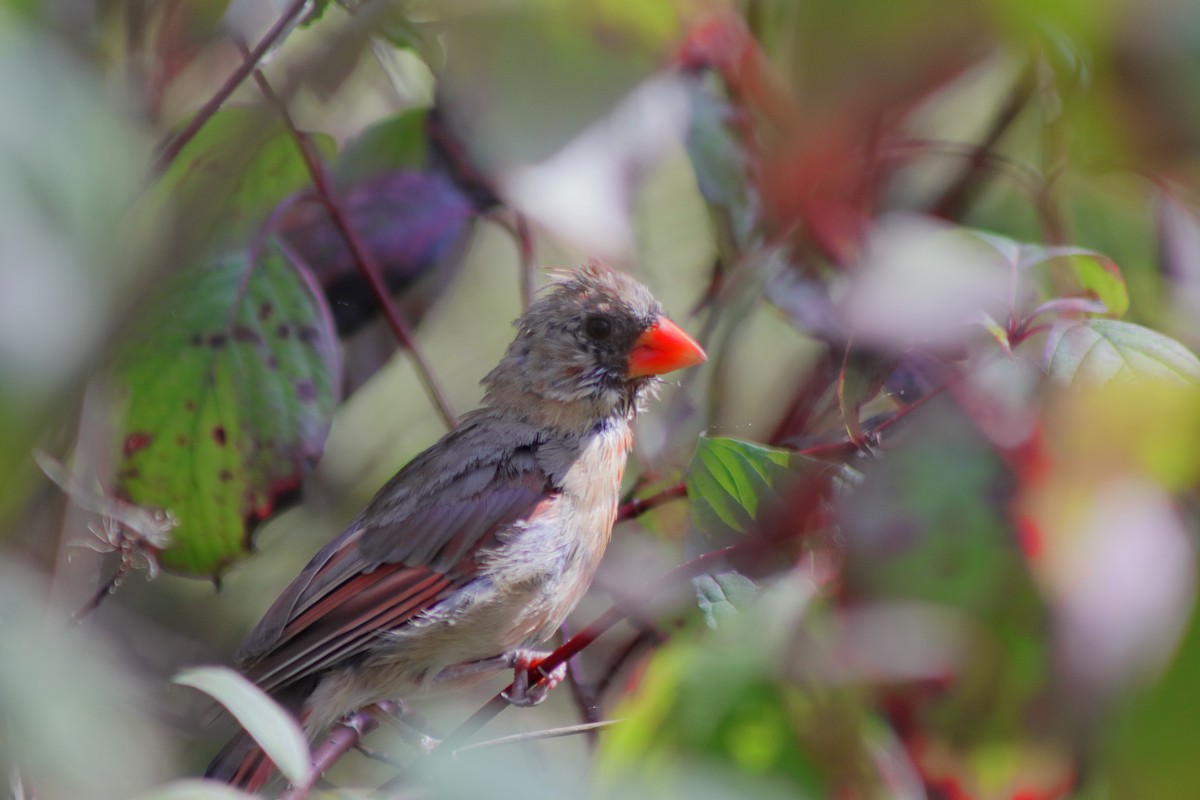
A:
x: 522, y: 692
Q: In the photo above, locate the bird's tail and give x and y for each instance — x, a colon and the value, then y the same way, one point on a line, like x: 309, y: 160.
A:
x: 241, y: 763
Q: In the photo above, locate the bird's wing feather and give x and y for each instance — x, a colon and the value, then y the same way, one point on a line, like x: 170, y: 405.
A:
x: 377, y: 575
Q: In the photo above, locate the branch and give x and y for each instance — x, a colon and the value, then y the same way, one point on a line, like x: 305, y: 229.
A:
x: 344, y: 737
x: 959, y: 194
x: 363, y: 258
x: 637, y: 507
x: 171, y: 150
x: 525, y: 243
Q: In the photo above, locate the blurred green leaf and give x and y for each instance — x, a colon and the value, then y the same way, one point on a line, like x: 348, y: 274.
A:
x: 931, y: 523
x: 72, y: 246
x: 229, y: 393
x: 397, y: 142
x: 233, y: 173
x: 275, y: 730
x: 719, y: 160
x: 731, y: 700
x: 722, y: 594
x: 72, y: 711
x: 1097, y: 351
x: 1074, y: 270
x: 1151, y: 744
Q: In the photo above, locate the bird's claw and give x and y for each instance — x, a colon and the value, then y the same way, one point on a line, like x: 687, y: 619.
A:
x: 522, y: 693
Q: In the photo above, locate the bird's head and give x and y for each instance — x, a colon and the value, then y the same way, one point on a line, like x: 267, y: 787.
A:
x: 590, y: 346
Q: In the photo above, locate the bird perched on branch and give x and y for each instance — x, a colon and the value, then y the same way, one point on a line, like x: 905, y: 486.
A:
x: 482, y: 544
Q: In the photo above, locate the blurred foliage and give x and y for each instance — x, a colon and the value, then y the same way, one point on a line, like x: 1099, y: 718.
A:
x: 945, y: 258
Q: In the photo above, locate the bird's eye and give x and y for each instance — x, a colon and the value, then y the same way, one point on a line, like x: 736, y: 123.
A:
x: 597, y: 328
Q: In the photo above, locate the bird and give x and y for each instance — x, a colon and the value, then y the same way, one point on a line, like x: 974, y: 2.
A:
x: 478, y: 548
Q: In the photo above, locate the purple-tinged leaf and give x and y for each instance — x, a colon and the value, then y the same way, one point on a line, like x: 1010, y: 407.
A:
x: 414, y: 224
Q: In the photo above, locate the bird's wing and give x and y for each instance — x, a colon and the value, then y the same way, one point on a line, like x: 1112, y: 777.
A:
x: 393, y: 564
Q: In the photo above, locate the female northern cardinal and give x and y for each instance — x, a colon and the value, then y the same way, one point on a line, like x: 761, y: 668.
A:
x: 482, y: 544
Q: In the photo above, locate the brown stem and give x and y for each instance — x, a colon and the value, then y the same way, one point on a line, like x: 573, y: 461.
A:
x: 639, y: 506
x: 342, y: 739
x: 171, y: 150
x: 363, y: 258
x: 960, y: 193
x: 526, y: 243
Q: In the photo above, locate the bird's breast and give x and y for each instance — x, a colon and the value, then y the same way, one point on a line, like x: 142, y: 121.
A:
x: 549, y: 560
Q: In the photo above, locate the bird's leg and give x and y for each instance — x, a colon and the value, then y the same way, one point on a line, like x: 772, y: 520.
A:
x: 522, y: 693
x: 520, y: 662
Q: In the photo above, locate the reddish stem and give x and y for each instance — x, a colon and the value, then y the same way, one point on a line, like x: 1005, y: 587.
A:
x: 525, y: 242
x: 342, y: 739
x: 639, y: 506
x: 171, y: 150
x: 363, y: 258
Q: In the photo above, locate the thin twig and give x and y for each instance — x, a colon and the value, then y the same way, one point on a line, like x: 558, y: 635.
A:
x: 962, y: 190
x: 102, y: 593
x: 549, y: 733
x: 363, y: 258
x: 638, y: 506
x: 171, y: 150
x: 526, y: 246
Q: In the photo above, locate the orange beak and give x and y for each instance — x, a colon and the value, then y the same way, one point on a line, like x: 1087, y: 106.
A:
x: 664, y: 347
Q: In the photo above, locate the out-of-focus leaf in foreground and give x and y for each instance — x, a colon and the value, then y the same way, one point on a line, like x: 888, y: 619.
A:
x: 73, y: 714
x: 930, y: 524
x: 737, y: 701
x: 232, y: 174
x: 70, y: 166
x: 272, y: 727
x: 227, y: 397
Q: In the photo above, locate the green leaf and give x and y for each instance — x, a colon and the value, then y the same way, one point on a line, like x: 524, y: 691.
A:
x: 397, y: 142
x: 727, y: 482
x: 233, y: 174
x: 1150, y: 752
x: 271, y: 726
x: 715, y: 705
x: 728, y: 479
x: 1097, y: 351
x: 722, y: 594
x: 193, y: 789
x: 228, y: 395
x: 720, y: 163
x: 1074, y: 271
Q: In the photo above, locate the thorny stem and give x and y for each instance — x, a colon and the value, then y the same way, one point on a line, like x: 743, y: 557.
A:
x: 171, y: 150
x: 362, y: 256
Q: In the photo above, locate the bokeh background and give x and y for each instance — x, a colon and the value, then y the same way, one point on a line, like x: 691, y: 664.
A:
x: 975, y: 575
